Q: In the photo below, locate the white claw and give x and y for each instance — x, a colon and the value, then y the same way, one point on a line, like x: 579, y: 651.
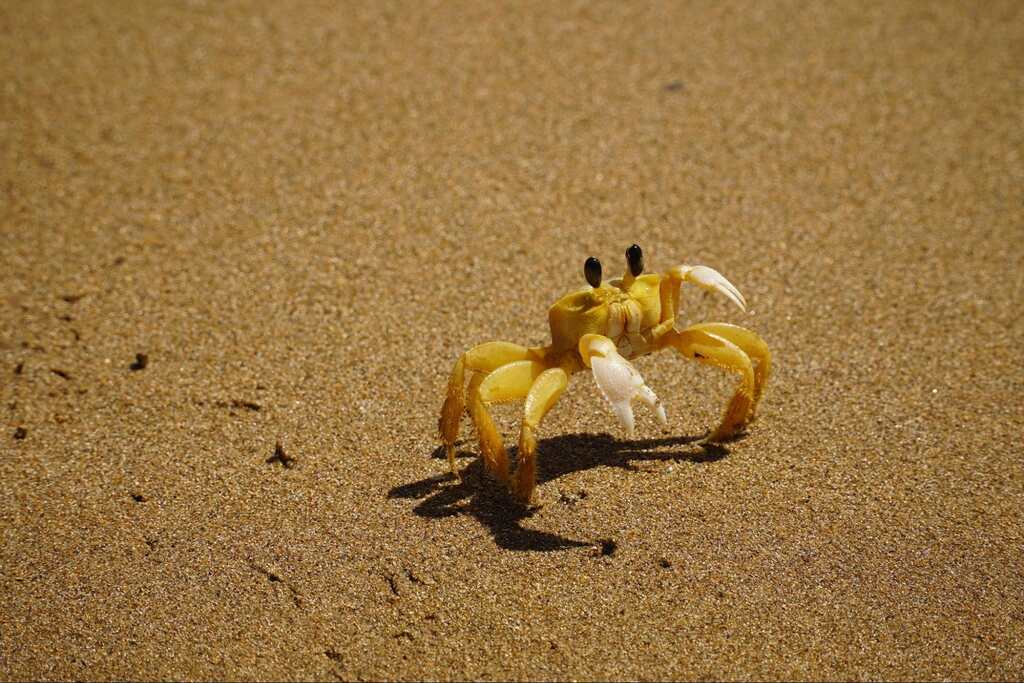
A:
x: 651, y: 400
x: 711, y: 280
x: 620, y: 383
x: 624, y: 411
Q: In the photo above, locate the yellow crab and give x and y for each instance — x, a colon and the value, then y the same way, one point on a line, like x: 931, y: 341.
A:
x: 601, y: 327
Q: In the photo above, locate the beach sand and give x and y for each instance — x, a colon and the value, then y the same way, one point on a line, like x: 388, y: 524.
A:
x: 300, y: 216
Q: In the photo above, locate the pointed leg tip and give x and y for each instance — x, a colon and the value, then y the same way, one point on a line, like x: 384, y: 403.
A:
x: 719, y: 435
x: 527, y: 497
x: 723, y: 435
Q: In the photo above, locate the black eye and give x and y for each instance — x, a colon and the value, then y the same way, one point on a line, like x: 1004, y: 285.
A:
x: 635, y: 259
x: 592, y: 271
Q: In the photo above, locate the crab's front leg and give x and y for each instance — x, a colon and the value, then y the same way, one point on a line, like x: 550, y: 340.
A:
x: 706, y: 278
x: 481, y: 360
x: 618, y: 380
x: 543, y: 395
x: 511, y: 382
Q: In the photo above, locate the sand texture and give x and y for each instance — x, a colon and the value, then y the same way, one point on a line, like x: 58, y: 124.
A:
x: 228, y: 226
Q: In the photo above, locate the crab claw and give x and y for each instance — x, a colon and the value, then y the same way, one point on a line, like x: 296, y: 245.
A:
x: 618, y: 380
x: 711, y: 280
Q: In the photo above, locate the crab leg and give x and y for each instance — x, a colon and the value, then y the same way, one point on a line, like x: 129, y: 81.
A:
x: 510, y: 382
x: 618, y: 380
x: 483, y: 358
x: 752, y: 345
x: 544, y: 393
x: 712, y: 349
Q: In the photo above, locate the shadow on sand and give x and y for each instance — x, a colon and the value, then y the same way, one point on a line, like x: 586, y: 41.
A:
x: 480, y: 496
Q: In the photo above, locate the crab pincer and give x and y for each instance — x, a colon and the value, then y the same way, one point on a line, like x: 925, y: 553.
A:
x: 618, y: 380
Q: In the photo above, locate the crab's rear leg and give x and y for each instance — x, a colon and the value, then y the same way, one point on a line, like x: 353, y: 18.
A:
x: 706, y: 347
x: 752, y: 345
x: 480, y: 360
x: 543, y: 395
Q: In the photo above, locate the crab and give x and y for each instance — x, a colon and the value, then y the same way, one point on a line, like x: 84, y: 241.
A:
x: 601, y: 328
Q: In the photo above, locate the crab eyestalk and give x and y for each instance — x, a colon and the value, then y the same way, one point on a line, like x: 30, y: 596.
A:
x: 592, y: 271
x: 634, y: 263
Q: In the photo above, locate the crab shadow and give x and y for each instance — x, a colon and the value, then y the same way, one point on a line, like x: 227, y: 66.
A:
x: 481, y: 497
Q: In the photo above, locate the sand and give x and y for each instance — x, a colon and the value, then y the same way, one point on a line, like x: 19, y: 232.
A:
x: 301, y: 216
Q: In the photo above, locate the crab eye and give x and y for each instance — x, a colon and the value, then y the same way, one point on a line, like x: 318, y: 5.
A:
x: 635, y: 259
x: 592, y: 271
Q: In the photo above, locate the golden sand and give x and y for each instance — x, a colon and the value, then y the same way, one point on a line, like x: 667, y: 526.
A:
x: 301, y: 215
